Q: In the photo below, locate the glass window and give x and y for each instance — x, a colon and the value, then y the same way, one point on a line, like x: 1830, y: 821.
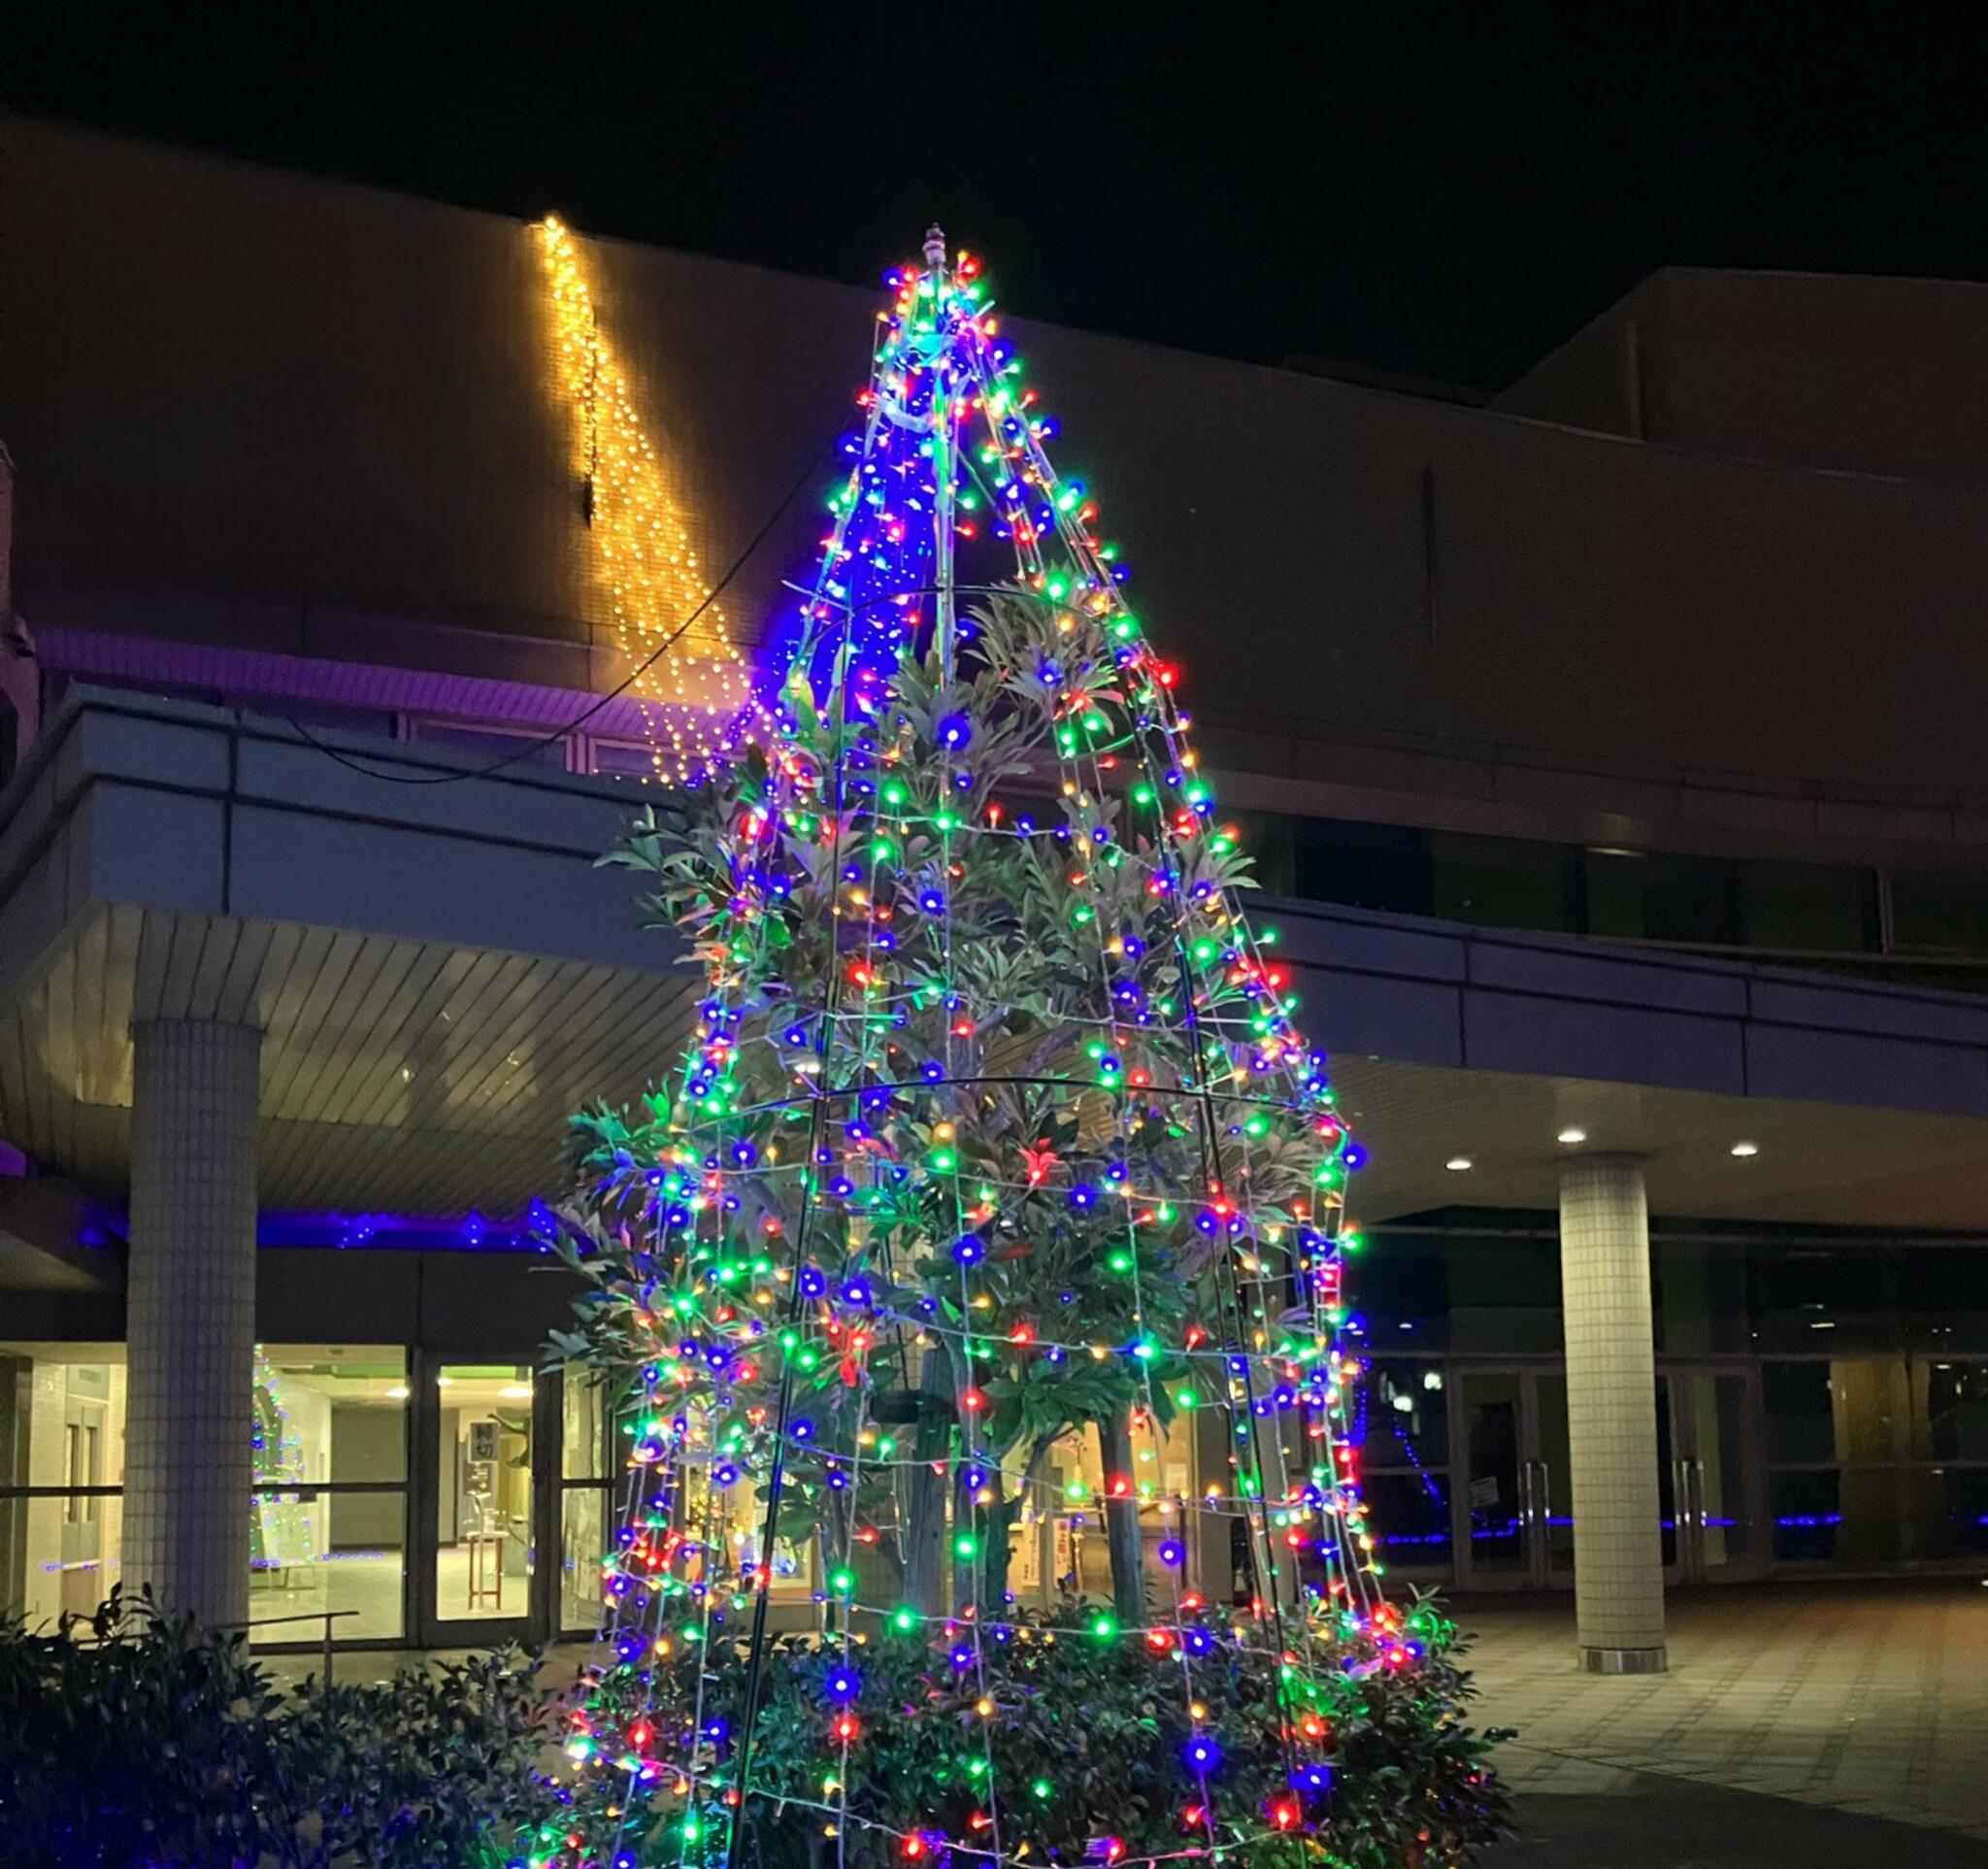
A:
x: 1364, y: 866
x: 328, y: 1525
x: 1504, y: 1294
x: 1949, y: 1410
x: 1399, y: 1291
x: 1649, y: 896
x: 1410, y: 1520
x: 1849, y: 1408
x: 1939, y: 914
x: 527, y: 748
x: 1810, y: 1299
x: 1807, y: 908
x: 583, y: 1434
x: 1697, y: 1294
x: 621, y: 758
x: 1944, y: 1296
x: 61, y: 1428
x: 483, y: 1557
x: 585, y: 1500
x: 582, y: 1539
x: 1849, y: 1516
x: 1805, y: 1516
x: 1946, y: 1514
x: 1498, y: 882
x: 1401, y: 1419
x: 1269, y: 841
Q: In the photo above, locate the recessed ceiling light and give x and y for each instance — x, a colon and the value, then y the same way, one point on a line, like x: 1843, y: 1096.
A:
x: 1458, y: 1164
x: 1745, y: 1148
x: 1571, y: 1136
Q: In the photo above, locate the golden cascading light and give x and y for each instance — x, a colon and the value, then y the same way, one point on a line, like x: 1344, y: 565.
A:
x: 696, y: 697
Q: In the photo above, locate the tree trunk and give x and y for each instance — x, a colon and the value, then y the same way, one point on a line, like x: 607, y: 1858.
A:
x: 925, y: 1506
x: 1006, y: 1511
x: 966, y: 1575
x: 1000, y: 1519
x: 1121, y: 1522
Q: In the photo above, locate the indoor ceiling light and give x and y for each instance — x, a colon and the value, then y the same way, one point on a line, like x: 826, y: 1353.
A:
x: 515, y: 1392
x: 1458, y: 1164
x: 398, y: 1392
x: 1571, y: 1136
x: 1745, y: 1148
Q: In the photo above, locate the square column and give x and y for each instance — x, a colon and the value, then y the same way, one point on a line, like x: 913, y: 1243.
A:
x: 191, y: 1316
x: 1611, y: 1414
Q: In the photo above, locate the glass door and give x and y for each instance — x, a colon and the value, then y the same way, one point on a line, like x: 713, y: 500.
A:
x: 1512, y: 1522
x: 1709, y: 1475
x: 478, y: 1578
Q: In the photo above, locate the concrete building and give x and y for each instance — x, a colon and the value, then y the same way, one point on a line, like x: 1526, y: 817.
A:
x: 1612, y: 748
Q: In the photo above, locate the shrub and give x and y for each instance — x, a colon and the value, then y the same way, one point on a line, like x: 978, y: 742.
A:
x: 1097, y: 1732
x: 130, y: 1738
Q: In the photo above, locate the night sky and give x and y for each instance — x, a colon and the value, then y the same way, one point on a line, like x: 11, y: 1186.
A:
x: 1445, y: 193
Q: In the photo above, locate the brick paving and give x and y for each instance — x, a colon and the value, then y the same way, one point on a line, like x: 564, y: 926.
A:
x: 1871, y: 1700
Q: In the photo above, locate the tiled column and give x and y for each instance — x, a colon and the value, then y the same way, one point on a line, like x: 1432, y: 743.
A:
x: 1611, y: 1414
x: 191, y: 1316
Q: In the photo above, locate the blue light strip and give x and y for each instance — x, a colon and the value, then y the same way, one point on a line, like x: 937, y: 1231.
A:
x: 471, y: 1232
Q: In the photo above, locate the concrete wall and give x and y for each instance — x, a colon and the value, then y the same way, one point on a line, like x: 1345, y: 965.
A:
x: 339, y: 405
x: 1877, y: 376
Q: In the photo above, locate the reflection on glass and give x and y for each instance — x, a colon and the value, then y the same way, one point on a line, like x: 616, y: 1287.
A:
x: 1807, y: 908
x: 61, y: 1425
x: 1720, y: 1416
x: 334, y: 1552
x: 1817, y: 1300
x: 327, y: 1527
x: 1940, y: 913
x: 1493, y: 1450
x: 483, y: 1502
x: 1411, y: 1518
x: 1949, y: 1412
x: 1947, y: 1513
x: 1552, y: 1474
x: 582, y: 1539
x: 1654, y: 896
x: 1402, y: 1415
x: 1697, y: 1291
x: 582, y: 1428
x: 1944, y: 1296
x: 1498, y: 882
x: 1846, y: 1516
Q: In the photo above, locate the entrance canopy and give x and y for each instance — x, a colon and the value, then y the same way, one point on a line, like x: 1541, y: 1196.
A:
x: 443, y: 974
x: 441, y: 971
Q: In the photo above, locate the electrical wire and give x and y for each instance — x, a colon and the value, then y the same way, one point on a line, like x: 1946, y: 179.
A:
x: 538, y: 744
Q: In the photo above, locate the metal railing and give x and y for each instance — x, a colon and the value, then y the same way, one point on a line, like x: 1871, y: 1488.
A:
x: 326, y: 1616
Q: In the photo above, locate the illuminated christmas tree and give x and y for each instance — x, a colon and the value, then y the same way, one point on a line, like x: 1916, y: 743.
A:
x: 996, y: 1128
x: 280, y: 1525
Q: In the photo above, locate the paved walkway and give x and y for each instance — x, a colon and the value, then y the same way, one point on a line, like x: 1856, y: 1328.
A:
x: 1808, y: 1724
x: 1871, y: 1701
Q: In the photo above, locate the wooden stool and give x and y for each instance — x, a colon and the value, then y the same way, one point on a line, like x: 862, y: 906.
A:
x: 484, y: 1546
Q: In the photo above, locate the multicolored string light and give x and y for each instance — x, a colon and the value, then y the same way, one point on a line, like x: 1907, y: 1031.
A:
x: 993, y: 1084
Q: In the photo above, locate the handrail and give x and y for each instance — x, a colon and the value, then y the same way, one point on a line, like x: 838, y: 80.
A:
x: 328, y: 1618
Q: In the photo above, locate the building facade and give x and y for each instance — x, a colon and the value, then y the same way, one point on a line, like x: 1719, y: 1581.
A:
x: 1610, y: 756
